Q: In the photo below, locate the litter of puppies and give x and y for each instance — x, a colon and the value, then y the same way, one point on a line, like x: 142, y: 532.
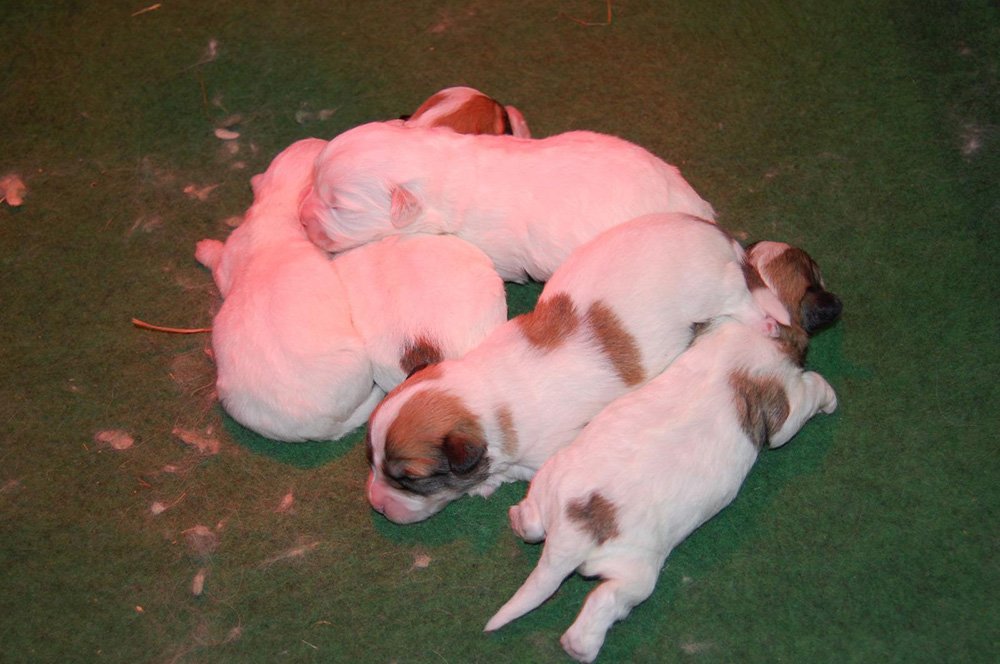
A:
x: 364, y: 285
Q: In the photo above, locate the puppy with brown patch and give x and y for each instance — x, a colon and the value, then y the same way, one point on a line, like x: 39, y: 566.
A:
x: 613, y: 316
x: 306, y: 346
x: 660, y: 461
x: 527, y: 203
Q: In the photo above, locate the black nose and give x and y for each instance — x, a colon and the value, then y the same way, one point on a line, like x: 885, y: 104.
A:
x: 820, y: 308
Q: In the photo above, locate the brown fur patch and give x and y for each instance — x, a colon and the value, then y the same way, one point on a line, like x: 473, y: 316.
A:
x: 414, y: 440
x: 553, y: 320
x: 506, y: 421
x: 478, y: 115
x: 761, y: 405
x: 616, y: 342
x: 791, y: 273
x: 419, y: 352
x: 598, y: 516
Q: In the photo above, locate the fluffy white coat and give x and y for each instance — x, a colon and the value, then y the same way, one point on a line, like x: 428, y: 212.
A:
x: 528, y: 203
x: 614, y: 315
x: 652, y: 467
x: 305, y: 346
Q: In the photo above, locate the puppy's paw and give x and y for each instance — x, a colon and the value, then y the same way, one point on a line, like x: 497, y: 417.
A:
x: 208, y: 253
x: 524, y: 521
x: 579, y: 646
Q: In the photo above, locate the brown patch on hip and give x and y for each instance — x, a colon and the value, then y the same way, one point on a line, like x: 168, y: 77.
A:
x: 505, y: 418
x: 761, y: 405
x: 597, y: 516
x: 419, y: 353
x: 553, y: 320
x: 433, y: 432
x: 616, y: 342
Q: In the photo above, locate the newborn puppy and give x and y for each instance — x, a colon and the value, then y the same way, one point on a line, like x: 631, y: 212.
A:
x: 660, y: 461
x: 468, y: 111
x: 305, y: 347
x: 614, y: 315
x: 527, y: 203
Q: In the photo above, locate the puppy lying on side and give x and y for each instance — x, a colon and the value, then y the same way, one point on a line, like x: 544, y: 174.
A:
x: 305, y: 347
x: 613, y: 316
x: 527, y: 203
x: 660, y: 461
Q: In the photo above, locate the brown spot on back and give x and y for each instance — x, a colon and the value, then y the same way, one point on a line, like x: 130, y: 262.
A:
x: 478, y: 115
x: 414, y: 442
x: 597, y: 516
x: 553, y: 320
x: 505, y: 418
x: 419, y: 353
x: 616, y: 342
x: 761, y: 405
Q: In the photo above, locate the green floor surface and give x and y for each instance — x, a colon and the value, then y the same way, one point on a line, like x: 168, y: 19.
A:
x: 866, y: 132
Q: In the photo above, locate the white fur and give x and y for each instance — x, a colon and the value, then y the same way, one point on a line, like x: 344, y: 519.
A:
x: 292, y: 364
x: 659, y: 274
x: 668, y: 456
x: 527, y: 203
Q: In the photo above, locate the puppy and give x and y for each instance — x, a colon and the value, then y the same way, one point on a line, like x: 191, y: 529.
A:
x: 527, y: 203
x: 468, y: 111
x: 305, y: 347
x: 660, y: 461
x: 613, y: 316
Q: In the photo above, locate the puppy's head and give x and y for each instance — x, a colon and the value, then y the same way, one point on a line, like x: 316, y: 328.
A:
x: 792, y: 275
x: 426, y: 448
x: 467, y: 111
x: 364, y: 186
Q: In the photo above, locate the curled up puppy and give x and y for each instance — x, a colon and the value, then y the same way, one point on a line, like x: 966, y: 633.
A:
x: 527, y: 203
x: 614, y: 315
x: 660, y: 461
x: 306, y: 346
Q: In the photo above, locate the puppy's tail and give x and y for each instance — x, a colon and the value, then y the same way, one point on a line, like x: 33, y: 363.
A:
x: 544, y: 580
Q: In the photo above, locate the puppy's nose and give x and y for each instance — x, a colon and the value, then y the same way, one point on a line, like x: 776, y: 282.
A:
x: 374, y: 496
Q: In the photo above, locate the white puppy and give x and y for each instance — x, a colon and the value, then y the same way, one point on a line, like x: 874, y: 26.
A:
x: 526, y: 203
x: 613, y: 316
x: 305, y: 347
x: 660, y: 461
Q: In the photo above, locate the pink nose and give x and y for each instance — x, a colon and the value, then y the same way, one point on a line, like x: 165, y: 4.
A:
x: 375, y: 495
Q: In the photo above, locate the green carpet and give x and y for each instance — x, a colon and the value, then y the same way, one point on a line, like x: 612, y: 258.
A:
x: 866, y: 132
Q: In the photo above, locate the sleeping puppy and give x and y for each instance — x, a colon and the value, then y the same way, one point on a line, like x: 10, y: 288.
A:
x: 305, y: 347
x: 527, y: 203
x: 660, y: 461
x: 468, y: 111
x: 613, y: 316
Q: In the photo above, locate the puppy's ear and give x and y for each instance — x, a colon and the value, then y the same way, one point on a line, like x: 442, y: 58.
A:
x: 820, y: 308
x: 463, y: 451
x: 404, y: 207
x: 772, y: 306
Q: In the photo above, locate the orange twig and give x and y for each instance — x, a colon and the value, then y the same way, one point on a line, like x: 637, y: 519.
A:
x: 172, y: 330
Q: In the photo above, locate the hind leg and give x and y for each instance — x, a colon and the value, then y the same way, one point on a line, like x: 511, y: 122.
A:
x: 611, y: 601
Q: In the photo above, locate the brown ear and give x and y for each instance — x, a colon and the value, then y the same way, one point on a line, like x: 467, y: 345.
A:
x: 463, y: 451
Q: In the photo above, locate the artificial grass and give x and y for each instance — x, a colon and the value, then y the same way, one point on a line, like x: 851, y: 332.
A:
x: 865, y: 132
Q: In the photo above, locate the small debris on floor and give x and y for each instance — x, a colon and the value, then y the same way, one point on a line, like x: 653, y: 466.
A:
x: 203, y: 443
x: 198, y: 582
x: 420, y: 561
x: 116, y: 439
x: 199, y: 193
x: 226, y: 134
x: 286, y: 503
x: 12, y: 189
x: 201, y: 541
